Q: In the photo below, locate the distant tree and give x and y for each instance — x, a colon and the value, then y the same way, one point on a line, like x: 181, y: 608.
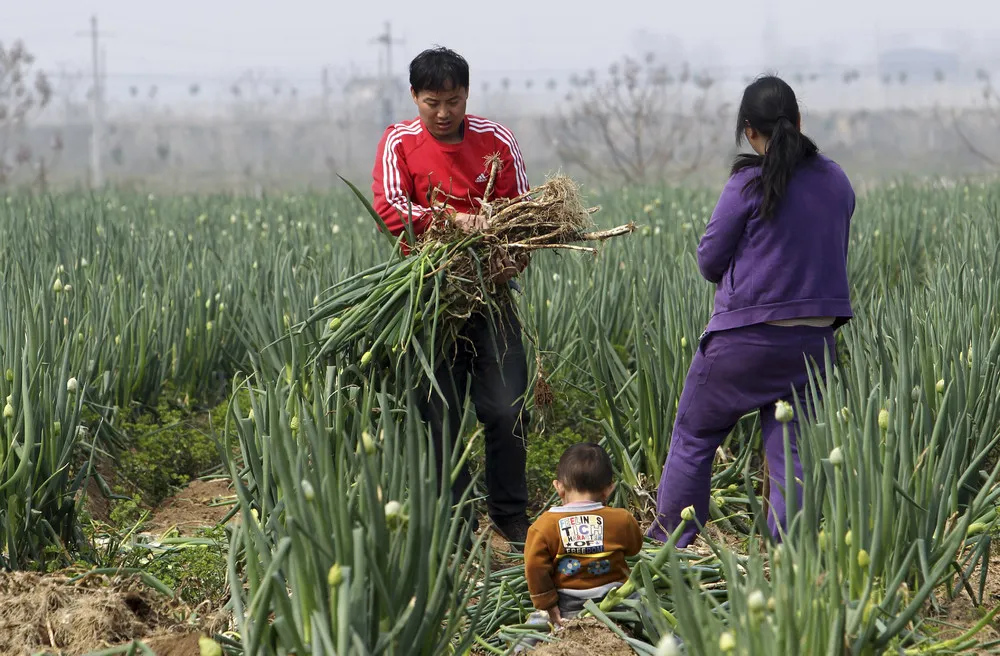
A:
x: 24, y: 93
x: 988, y: 115
x: 639, y: 124
x: 260, y: 117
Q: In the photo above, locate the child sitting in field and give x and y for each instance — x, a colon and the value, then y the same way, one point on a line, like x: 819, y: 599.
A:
x: 576, y: 551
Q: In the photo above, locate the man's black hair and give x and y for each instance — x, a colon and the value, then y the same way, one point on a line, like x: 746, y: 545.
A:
x: 439, y: 69
x: 585, y: 467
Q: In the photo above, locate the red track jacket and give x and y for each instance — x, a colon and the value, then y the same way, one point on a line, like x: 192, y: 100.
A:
x: 410, y: 163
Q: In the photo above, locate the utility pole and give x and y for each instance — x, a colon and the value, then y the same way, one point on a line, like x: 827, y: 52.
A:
x: 325, y: 98
x: 96, y: 106
x: 387, y: 88
x: 98, y: 129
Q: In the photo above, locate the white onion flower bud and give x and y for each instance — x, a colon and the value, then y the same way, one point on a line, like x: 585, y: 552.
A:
x: 783, y: 412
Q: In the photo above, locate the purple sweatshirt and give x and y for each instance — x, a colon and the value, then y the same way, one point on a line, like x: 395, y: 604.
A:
x: 790, y: 266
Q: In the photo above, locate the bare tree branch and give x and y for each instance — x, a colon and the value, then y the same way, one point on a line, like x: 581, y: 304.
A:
x: 969, y: 145
x: 638, y: 124
x: 24, y: 93
x: 992, y: 107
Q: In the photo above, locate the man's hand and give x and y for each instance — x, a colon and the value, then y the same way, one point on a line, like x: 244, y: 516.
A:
x: 509, y: 267
x: 555, y: 617
x: 469, y: 222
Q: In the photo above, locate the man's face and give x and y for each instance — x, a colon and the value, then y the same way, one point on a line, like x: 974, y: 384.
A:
x: 442, y: 112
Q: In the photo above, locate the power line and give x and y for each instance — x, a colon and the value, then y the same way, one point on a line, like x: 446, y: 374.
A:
x: 820, y: 69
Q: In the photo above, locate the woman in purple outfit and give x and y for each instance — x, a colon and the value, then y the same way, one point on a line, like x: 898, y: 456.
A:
x: 776, y: 249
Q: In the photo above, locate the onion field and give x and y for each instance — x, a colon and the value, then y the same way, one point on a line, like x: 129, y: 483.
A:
x: 334, y: 536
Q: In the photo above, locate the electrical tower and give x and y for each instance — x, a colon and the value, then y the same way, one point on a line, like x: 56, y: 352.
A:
x: 387, y: 90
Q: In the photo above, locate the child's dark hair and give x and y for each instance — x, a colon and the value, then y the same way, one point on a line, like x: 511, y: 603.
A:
x: 770, y: 107
x: 585, y: 467
x: 438, y: 69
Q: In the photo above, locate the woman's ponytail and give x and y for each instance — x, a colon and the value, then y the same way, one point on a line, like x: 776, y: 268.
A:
x: 786, y: 149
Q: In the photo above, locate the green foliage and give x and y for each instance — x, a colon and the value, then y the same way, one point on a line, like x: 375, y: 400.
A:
x: 570, y: 419
x: 196, y: 571
x: 166, y: 450
x: 573, y: 407
x: 336, y: 509
x: 125, y: 512
x: 543, y: 456
x: 219, y: 413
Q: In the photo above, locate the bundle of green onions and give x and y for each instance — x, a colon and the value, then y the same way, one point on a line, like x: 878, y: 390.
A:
x: 419, y: 300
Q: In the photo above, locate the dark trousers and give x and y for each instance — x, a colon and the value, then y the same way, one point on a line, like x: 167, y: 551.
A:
x: 735, y: 372
x: 498, y: 371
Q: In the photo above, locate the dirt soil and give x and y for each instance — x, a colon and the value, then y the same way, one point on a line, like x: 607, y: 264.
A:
x: 960, y: 615
x: 190, y: 508
x: 586, y: 636
x: 500, y: 548
x: 48, y: 614
x: 98, y: 505
x: 174, y: 644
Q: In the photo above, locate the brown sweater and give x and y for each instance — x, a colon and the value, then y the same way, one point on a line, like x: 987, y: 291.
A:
x: 580, y: 547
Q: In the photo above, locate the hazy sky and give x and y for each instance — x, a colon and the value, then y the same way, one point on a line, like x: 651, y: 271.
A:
x: 214, y: 38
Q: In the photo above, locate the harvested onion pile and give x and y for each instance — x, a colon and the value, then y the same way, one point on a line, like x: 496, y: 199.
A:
x: 420, y: 300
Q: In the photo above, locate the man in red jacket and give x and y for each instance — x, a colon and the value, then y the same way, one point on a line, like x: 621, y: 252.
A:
x: 442, y: 157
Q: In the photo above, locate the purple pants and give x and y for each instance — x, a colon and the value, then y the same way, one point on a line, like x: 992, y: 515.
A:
x: 735, y: 372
